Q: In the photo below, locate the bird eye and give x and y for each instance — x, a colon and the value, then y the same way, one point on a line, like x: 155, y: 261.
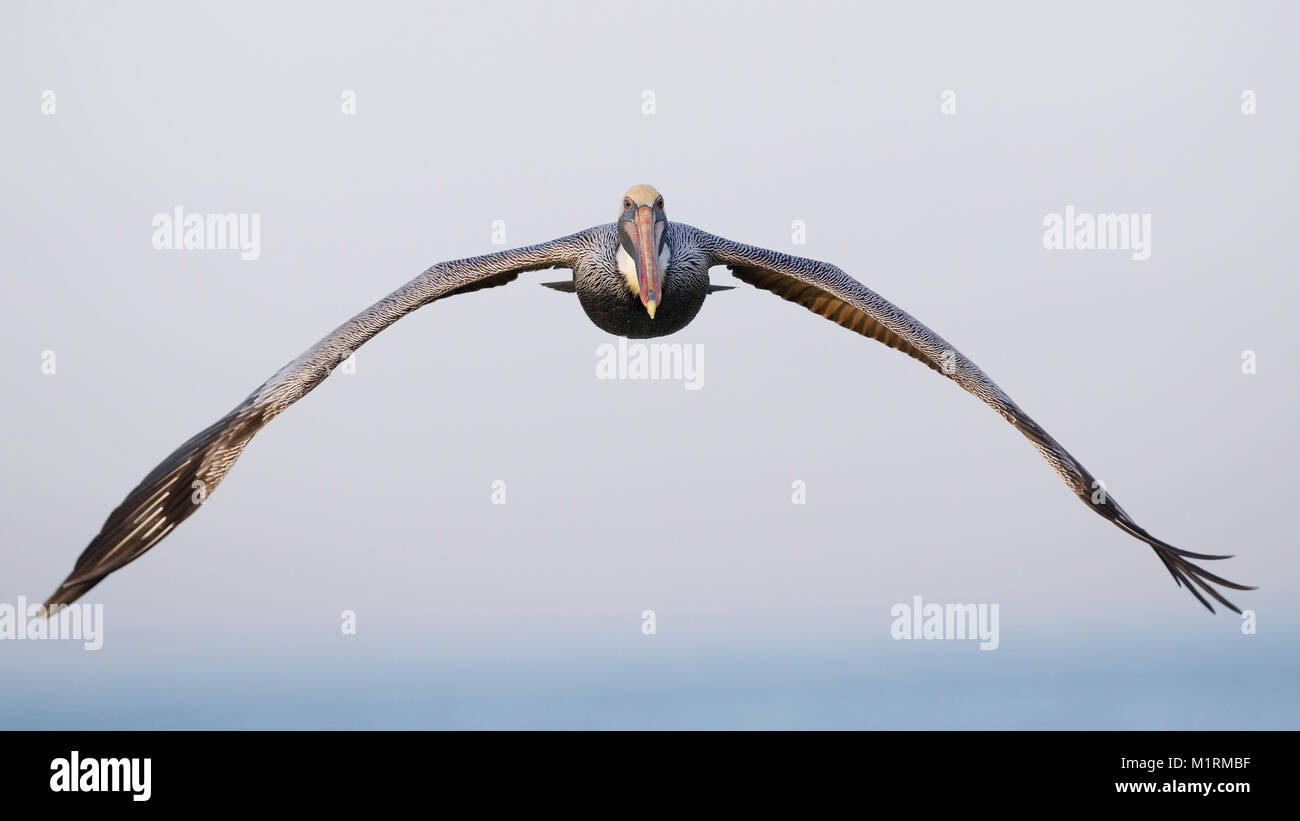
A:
x: 659, y: 203
x: 627, y: 203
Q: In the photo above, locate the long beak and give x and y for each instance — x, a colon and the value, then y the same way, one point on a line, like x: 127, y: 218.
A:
x: 646, y: 234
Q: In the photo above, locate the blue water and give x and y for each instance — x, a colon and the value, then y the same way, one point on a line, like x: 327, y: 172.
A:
x: 1109, y: 684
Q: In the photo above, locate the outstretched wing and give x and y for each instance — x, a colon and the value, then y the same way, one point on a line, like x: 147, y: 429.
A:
x: 182, y: 481
x: 828, y: 291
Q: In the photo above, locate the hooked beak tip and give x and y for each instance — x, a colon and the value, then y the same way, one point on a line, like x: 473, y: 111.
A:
x: 650, y: 307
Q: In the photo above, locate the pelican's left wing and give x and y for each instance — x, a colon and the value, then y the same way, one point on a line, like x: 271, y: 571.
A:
x: 182, y: 481
x: 828, y: 291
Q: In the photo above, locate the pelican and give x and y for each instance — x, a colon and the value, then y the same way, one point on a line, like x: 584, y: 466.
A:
x: 641, y: 276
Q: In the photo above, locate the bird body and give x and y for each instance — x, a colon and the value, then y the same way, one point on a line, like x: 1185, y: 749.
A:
x: 641, y: 276
x: 608, y: 298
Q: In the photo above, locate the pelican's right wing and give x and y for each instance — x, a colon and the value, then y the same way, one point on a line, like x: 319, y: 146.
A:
x: 182, y: 481
x: 828, y: 291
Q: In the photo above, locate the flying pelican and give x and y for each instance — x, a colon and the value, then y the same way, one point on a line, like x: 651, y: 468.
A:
x: 639, y: 277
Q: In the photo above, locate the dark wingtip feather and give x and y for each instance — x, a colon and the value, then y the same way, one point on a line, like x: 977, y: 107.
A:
x: 1201, y: 577
x: 162, y: 500
x: 67, y: 593
x: 1187, y: 554
x: 1175, y: 559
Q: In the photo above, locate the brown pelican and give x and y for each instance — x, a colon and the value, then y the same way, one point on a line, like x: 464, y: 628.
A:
x: 641, y: 276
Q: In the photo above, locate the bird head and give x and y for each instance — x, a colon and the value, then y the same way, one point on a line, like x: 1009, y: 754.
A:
x: 642, y: 227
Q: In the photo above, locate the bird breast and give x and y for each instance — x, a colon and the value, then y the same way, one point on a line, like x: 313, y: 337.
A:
x: 610, y: 294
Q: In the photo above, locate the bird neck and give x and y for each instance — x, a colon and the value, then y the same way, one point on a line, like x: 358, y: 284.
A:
x: 627, y: 267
